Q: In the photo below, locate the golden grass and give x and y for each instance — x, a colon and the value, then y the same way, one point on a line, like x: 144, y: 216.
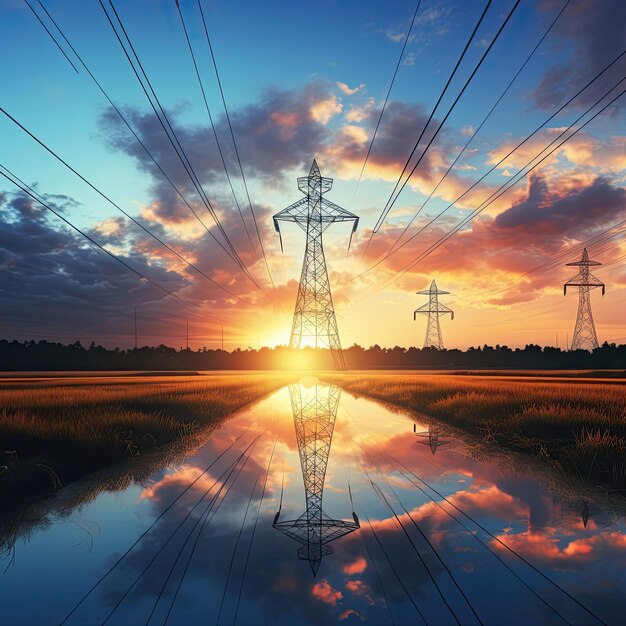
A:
x: 50, y: 428
x: 577, y: 426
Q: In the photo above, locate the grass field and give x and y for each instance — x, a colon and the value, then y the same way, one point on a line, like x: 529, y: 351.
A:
x: 54, y: 431
x: 577, y: 426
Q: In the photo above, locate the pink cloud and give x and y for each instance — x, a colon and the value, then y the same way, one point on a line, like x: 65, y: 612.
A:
x: 356, y: 567
x: 324, y: 592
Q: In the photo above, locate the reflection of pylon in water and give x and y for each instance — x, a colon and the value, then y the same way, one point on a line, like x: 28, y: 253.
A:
x: 584, y: 512
x: 314, y: 320
x: 431, y: 437
x: 314, y: 414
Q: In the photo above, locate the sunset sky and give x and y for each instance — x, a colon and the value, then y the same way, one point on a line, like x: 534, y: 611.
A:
x: 304, y: 80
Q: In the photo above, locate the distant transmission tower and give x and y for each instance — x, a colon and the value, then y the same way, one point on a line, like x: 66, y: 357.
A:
x: 433, y: 308
x: 314, y: 414
x: 314, y: 321
x: 585, y: 337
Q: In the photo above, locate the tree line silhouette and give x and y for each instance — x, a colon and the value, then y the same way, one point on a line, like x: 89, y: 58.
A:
x: 49, y: 356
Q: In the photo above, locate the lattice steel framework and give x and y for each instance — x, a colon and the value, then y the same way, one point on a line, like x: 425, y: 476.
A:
x: 585, y: 337
x: 314, y: 414
x: 431, y: 438
x: 433, y: 309
x: 314, y: 321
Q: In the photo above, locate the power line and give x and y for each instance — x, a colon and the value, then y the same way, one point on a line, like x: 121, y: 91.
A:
x: 519, y: 145
x: 173, y: 138
x: 119, y: 208
x: 217, y: 141
x: 510, y: 184
x: 392, y: 200
x: 382, y: 111
x: 477, y: 130
x: 30, y: 192
x: 232, y: 135
x: 58, y: 45
x: 432, y: 113
x: 138, y: 139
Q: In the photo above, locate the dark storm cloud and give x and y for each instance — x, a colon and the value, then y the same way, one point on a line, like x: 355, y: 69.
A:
x: 575, y: 214
x: 278, y: 133
x: 596, y: 31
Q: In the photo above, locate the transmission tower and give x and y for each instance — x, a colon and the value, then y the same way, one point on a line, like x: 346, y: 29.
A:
x: 585, y: 337
x: 314, y: 414
x: 433, y: 308
x: 314, y: 321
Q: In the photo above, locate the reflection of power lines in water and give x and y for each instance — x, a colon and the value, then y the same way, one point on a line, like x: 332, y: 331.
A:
x: 314, y: 415
x: 223, y: 483
x: 409, y: 475
x: 431, y: 437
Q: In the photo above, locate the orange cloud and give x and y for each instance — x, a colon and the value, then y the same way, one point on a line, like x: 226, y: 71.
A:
x: 324, y: 592
x: 356, y: 567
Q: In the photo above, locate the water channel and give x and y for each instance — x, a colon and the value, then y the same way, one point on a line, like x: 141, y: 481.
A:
x: 265, y: 522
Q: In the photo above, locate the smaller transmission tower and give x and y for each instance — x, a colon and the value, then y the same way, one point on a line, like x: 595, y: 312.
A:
x: 433, y: 308
x: 585, y: 337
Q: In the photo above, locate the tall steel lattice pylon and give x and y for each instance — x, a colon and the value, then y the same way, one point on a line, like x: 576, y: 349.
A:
x: 314, y: 321
x: 433, y: 308
x: 314, y: 414
x: 585, y: 337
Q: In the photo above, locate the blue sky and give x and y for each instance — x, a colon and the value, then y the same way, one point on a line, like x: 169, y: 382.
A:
x: 289, y: 70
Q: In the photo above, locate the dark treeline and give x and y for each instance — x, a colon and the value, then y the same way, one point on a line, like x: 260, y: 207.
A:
x: 48, y: 356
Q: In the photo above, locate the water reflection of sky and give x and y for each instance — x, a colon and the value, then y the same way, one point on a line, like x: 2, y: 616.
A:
x: 372, y: 573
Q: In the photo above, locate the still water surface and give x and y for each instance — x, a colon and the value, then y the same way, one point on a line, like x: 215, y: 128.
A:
x: 415, y: 526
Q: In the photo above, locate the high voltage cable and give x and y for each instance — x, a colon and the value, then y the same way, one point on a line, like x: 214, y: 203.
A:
x: 509, y: 185
x: 234, y: 553
x: 145, y: 532
x: 232, y: 135
x: 141, y: 143
x: 256, y: 521
x: 171, y: 134
x: 383, y: 499
x: 472, y: 534
x: 32, y: 194
x: 114, y: 204
x: 382, y: 111
x: 206, y: 105
x: 58, y: 45
x: 432, y: 113
x: 495, y: 538
x: 434, y: 550
x: 477, y: 130
x: 443, y: 121
x: 519, y: 145
x: 393, y: 569
x: 179, y: 526
x: 503, y: 159
x: 203, y: 519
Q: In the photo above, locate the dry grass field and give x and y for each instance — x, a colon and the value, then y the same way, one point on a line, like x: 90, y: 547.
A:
x: 54, y: 431
x: 577, y: 426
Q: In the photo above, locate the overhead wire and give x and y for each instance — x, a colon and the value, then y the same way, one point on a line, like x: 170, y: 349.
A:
x: 504, y: 187
x: 139, y: 140
x: 152, y: 525
x: 117, y: 206
x: 168, y: 128
x: 500, y: 542
x: 443, y: 121
x: 512, y: 151
x: 208, y: 110
x: 232, y: 135
x: 382, y: 110
x: 479, y: 127
x: 32, y: 194
x: 432, y: 113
